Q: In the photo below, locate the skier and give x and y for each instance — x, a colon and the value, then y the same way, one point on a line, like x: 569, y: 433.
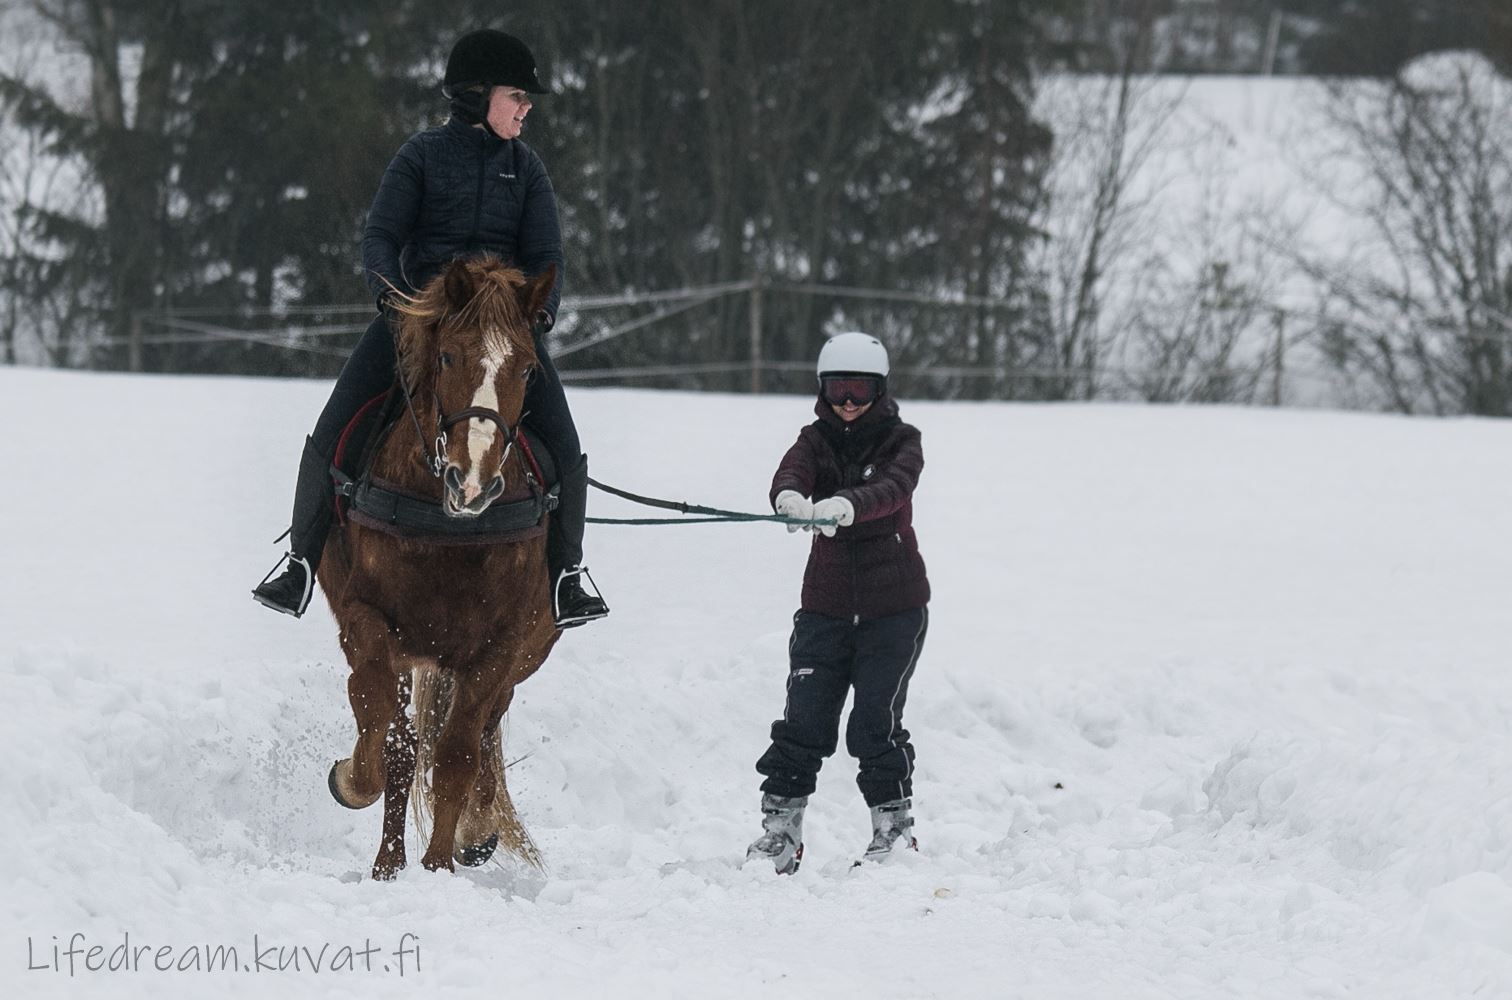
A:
x: 470, y: 186
x: 851, y: 475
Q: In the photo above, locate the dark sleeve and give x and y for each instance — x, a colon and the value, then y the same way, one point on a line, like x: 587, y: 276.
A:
x: 540, y: 228
x: 391, y: 219
x: 893, y: 483
x: 796, y: 472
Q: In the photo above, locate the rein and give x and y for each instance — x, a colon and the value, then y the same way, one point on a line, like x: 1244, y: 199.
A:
x: 713, y: 514
x: 409, y: 403
x: 436, y: 463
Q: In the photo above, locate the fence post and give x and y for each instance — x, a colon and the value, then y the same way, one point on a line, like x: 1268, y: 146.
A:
x: 1272, y: 40
x: 134, y: 345
x: 755, y: 319
x: 1280, y: 357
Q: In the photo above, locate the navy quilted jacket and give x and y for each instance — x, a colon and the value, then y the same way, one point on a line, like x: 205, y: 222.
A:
x: 454, y: 191
x: 872, y: 568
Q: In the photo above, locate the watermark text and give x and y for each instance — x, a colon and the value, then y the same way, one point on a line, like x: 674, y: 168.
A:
x: 79, y: 955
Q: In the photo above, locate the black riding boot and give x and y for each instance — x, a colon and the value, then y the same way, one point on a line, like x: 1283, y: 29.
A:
x: 570, y: 603
x: 290, y: 591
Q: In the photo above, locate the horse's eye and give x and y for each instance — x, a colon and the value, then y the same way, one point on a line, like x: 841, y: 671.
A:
x: 529, y: 373
x: 446, y: 360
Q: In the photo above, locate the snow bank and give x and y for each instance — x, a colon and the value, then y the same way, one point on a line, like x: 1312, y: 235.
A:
x: 1214, y: 704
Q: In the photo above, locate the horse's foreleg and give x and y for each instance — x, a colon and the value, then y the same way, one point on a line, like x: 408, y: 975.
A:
x: 478, y: 829
x: 399, y: 761
x: 458, y: 759
x: 373, y: 690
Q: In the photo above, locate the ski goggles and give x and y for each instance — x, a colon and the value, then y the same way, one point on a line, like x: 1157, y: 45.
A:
x: 861, y: 390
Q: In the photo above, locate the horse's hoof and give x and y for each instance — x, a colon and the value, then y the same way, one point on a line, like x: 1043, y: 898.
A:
x: 333, y: 782
x: 387, y: 872
x: 477, y: 854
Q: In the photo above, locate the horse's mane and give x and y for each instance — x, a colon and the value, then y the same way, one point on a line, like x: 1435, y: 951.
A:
x: 475, y: 294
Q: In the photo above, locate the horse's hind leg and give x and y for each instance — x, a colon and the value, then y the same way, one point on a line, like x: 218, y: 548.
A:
x: 399, y: 760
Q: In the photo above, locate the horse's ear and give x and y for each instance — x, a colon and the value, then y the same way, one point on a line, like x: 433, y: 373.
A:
x: 459, y: 286
x: 536, y: 292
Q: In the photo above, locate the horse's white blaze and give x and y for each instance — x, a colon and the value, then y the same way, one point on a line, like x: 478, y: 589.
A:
x: 480, y: 433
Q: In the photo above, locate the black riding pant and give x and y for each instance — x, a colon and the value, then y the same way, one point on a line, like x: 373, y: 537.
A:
x: 368, y: 372
x: 828, y: 657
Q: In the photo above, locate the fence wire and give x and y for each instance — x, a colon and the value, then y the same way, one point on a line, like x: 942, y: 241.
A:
x: 307, y: 330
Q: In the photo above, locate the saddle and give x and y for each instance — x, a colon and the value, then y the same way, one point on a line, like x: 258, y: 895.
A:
x: 364, y: 499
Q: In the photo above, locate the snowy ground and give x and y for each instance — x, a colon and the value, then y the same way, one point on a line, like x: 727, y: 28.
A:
x: 1215, y: 704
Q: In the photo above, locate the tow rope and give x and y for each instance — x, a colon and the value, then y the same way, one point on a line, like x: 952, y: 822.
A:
x: 709, y: 515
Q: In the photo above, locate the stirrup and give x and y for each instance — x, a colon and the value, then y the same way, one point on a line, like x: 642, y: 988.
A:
x: 304, y: 599
x: 573, y: 621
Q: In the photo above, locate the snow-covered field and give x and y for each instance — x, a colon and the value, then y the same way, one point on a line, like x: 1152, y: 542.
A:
x: 1215, y: 704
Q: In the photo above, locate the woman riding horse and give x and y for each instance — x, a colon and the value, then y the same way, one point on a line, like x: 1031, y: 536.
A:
x: 467, y: 188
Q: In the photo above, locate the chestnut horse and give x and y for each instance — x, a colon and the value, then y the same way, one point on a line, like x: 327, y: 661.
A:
x: 455, y: 627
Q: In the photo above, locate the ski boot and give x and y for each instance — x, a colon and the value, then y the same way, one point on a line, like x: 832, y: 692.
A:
x: 782, y: 841
x: 891, y: 823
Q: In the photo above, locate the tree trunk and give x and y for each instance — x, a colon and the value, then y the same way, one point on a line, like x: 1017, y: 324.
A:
x: 129, y: 160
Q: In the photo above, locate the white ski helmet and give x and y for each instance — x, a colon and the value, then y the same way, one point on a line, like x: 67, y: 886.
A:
x: 853, y: 354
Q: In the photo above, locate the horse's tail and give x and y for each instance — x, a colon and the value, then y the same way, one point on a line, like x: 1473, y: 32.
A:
x: 432, y: 703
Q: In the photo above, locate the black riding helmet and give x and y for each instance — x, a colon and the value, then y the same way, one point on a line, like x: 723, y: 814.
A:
x: 492, y: 59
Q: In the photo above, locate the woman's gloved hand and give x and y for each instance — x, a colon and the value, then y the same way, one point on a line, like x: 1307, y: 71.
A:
x: 792, y: 504
x: 838, y: 510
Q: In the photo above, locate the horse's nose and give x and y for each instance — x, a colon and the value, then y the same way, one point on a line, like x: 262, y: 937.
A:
x: 464, y: 497
x: 478, y: 498
x: 458, y: 496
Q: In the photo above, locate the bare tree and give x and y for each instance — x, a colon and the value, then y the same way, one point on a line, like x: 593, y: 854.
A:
x: 1195, y: 342
x: 1426, y: 315
x: 118, y: 141
x: 1200, y: 315
x: 1106, y: 132
x: 45, y: 316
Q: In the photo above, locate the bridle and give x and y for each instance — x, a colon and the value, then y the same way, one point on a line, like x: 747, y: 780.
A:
x: 444, y: 422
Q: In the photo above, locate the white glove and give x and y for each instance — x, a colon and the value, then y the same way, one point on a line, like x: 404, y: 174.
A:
x: 793, y: 504
x: 836, y: 509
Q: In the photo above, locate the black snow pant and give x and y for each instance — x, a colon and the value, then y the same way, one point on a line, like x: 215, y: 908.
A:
x: 368, y: 372
x: 827, y: 658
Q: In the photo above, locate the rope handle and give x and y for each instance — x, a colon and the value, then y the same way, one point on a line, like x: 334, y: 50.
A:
x: 710, y: 514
